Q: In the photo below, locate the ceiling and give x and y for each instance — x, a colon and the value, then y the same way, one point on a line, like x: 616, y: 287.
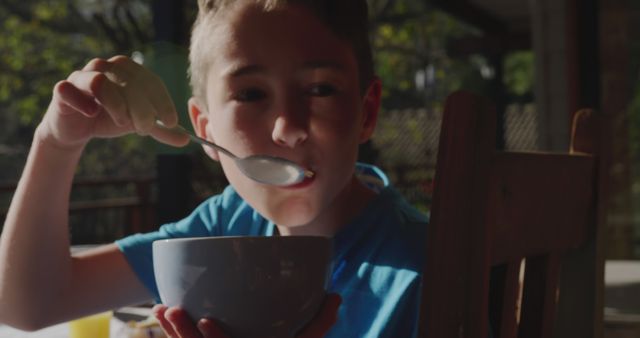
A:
x: 505, y: 25
x: 511, y: 17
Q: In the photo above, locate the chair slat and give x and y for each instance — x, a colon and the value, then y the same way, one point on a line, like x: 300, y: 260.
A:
x: 460, y: 241
x: 529, y: 205
x: 539, y: 296
x: 510, y: 292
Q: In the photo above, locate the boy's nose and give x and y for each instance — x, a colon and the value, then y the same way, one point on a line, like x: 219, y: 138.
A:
x: 288, y: 132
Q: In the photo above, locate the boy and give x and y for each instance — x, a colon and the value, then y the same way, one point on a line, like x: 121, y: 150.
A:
x: 292, y: 79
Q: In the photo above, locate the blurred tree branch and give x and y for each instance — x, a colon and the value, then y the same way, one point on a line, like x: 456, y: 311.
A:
x: 120, y: 26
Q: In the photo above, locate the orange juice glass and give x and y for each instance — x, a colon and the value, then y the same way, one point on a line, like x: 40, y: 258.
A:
x: 95, y: 326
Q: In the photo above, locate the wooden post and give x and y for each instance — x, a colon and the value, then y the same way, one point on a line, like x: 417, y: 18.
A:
x: 174, y: 187
x: 143, y: 192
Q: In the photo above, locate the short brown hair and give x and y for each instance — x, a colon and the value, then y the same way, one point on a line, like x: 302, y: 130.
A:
x: 348, y: 19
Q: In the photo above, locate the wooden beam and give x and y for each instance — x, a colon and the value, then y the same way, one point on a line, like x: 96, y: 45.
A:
x: 488, y: 44
x: 471, y: 14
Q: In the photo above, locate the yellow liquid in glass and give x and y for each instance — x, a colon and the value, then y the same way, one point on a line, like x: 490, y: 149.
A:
x: 96, y: 326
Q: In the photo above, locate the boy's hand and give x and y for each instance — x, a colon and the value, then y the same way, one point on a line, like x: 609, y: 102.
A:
x: 109, y: 98
x: 176, y: 323
x: 324, y: 320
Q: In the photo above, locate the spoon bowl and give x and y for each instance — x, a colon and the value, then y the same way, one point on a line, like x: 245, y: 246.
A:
x: 260, y: 168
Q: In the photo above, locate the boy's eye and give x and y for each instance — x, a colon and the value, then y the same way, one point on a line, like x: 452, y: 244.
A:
x: 249, y: 95
x: 322, y: 90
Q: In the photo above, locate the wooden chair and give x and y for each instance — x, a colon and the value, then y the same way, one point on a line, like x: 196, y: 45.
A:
x: 494, y: 212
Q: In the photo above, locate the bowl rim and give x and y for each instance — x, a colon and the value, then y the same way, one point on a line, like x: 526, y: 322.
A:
x: 260, y: 238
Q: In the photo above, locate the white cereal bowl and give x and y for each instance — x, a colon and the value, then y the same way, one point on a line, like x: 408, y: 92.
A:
x: 254, y: 287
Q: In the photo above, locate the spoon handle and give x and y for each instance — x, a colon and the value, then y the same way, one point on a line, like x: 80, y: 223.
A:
x: 196, y: 139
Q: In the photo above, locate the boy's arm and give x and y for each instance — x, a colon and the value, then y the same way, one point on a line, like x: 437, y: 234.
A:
x: 40, y: 283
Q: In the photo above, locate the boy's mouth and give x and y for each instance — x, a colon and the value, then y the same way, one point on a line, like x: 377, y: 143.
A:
x: 305, y: 182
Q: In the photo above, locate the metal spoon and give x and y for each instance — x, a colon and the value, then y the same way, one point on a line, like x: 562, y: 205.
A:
x: 260, y: 168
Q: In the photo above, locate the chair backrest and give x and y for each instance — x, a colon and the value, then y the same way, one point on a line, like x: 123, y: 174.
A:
x: 497, y: 214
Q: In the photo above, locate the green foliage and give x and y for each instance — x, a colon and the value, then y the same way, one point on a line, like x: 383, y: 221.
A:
x: 34, y: 56
x: 42, y: 43
x: 518, y: 72
x: 409, y: 38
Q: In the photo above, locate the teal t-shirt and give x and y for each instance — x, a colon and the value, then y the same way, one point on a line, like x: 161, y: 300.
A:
x: 377, y: 261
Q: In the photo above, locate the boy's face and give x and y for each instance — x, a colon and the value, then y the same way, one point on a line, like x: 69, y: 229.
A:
x: 282, y: 84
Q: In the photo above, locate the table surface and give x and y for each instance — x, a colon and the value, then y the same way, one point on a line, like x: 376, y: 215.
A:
x: 619, y: 272
x: 118, y: 327
x: 117, y: 330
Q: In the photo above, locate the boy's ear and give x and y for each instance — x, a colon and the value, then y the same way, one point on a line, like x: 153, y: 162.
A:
x: 371, y: 106
x: 200, y: 120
